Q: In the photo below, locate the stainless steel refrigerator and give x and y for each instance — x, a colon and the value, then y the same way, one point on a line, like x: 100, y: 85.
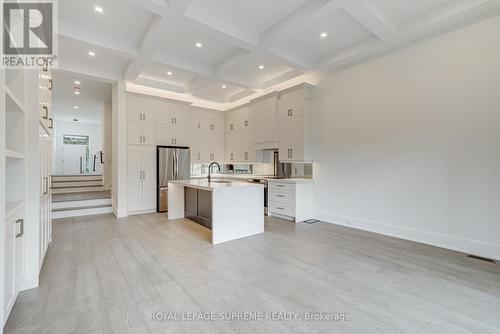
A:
x: 174, y: 163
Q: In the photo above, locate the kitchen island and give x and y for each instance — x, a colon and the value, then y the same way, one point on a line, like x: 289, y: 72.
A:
x: 237, y: 209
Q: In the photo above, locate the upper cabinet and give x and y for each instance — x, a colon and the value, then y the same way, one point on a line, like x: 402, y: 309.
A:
x: 240, y: 148
x: 295, y: 124
x: 264, y: 135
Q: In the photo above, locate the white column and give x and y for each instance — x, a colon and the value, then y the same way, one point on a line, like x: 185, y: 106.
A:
x: 119, y: 150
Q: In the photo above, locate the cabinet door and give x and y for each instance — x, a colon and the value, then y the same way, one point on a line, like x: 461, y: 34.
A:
x: 219, y: 146
x: 149, y: 134
x: 134, y: 165
x: 148, y: 116
x: 291, y: 110
x: 164, y: 135
x: 134, y: 196
x: 195, y: 148
x: 245, y: 147
x: 265, y: 129
x: 148, y: 195
x: 149, y: 165
x: 134, y: 113
x: 134, y: 133
x: 291, y: 140
x: 164, y: 118
x: 181, y: 120
x: 182, y: 136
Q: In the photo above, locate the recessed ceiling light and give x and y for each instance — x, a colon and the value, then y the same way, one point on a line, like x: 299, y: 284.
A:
x: 169, y: 73
x: 198, y: 45
x: 98, y: 9
x: 76, y: 107
x: 261, y: 67
x: 77, y: 92
x: 92, y: 53
x: 224, y: 86
x: 77, y: 82
x: 324, y: 35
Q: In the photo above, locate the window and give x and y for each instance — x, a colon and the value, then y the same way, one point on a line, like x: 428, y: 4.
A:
x: 75, y: 140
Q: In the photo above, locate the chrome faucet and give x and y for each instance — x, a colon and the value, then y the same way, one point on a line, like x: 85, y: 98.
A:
x: 210, y: 169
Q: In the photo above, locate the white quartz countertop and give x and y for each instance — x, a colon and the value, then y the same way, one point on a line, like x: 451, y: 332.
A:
x: 205, y: 185
x: 245, y: 177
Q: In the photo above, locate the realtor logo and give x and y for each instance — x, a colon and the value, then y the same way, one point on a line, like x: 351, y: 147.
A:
x: 28, y: 33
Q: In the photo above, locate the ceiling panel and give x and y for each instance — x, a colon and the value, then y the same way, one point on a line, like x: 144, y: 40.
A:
x: 119, y: 20
x: 306, y: 42
x: 75, y: 53
x: 248, y: 70
x: 159, y: 72
x: 180, y: 41
x: 251, y: 17
x: 402, y: 11
x: 214, y: 90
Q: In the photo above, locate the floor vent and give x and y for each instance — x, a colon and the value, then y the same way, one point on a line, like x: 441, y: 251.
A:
x: 482, y: 258
x: 312, y: 221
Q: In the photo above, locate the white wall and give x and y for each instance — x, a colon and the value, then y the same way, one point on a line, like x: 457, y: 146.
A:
x: 93, y: 130
x: 107, y: 135
x: 409, y: 145
x: 119, y: 143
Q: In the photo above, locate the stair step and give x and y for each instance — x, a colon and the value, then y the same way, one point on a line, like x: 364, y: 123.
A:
x: 80, y: 196
x: 77, y: 189
x: 58, y: 206
x: 76, y: 184
x: 63, y: 178
x: 78, y: 212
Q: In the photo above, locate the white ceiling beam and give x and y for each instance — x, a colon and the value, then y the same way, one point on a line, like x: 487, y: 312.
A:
x: 152, y: 6
x: 272, y: 35
x: 332, y: 59
x: 88, y: 71
x: 160, y: 84
x: 183, y: 64
x: 281, y: 78
x: 241, y: 95
x: 371, y: 19
x: 179, y: 6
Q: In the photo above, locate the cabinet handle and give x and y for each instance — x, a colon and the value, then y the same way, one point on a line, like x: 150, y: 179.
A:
x: 280, y: 208
x: 199, y: 156
x: 51, y: 123
x: 46, y: 109
x: 246, y: 123
x: 51, y: 84
x: 21, y: 230
x: 282, y: 196
x: 280, y: 186
x: 45, y: 185
x: 291, y: 153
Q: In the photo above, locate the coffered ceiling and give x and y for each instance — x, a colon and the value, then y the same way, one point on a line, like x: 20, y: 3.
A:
x: 224, y: 52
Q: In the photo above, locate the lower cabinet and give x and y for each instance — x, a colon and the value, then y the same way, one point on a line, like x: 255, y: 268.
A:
x: 290, y: 200
x: 141, y: 179
x: 14, y: 258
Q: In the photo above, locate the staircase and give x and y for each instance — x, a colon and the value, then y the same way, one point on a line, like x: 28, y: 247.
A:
x: 76, y: 183
x: 79, y: 195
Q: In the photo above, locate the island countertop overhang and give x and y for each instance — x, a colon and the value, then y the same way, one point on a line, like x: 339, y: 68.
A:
x: 210, y: 186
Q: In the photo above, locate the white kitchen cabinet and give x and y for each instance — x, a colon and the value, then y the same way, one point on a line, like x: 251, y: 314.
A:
x: 291, y: 144
x: 292, y: 200
x: 295, y: 124
x: 141, y: 177
x: 141, y: 133
x: 168, y: 135
x: 264, y: 134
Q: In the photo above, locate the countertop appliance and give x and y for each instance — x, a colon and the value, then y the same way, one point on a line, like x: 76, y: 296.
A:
x: 172, y: 163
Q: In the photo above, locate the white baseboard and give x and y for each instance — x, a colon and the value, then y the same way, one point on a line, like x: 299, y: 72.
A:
x: 140, y: 212
x: 467, y: 246
x: 120, y: 213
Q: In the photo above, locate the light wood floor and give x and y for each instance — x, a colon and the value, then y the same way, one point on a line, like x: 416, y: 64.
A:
x: 104, y: 275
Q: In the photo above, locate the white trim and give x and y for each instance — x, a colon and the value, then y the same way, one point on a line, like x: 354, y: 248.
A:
x: 467, y: 246
x: 141, y: 212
